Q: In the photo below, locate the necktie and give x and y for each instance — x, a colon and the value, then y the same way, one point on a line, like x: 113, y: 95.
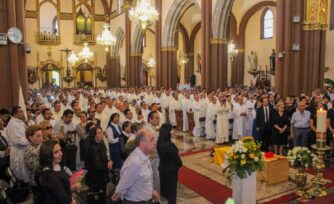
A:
x: 267, y: 116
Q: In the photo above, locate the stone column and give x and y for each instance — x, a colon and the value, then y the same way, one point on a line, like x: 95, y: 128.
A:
x: 12, y: 56
x: 300, y: 46
x: 219, y: 63
x: 135, y: 70
x: 128, y: 47
x: 158, y: 24
x: 168, y: 71
x: 108, y: 70
x: 115, y: 71
x: 206, y: 13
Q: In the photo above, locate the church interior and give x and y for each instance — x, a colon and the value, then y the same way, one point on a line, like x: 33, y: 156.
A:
x: 227, y: 48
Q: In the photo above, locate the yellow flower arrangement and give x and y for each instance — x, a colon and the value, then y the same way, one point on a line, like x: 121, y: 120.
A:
x: 243, y: 158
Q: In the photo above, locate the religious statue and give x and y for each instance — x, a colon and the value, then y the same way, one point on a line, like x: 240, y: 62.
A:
x: 32, y: 75
x: 199, y: 62
x: 272, y: 59
x: 252, y: 59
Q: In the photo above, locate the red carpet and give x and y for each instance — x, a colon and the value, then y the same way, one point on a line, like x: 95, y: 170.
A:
x: 207, y: 188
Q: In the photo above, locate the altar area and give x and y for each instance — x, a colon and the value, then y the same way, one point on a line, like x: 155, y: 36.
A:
x: 203, y: 164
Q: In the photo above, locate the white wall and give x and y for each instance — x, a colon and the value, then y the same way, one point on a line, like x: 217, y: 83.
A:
x: 262, y: 47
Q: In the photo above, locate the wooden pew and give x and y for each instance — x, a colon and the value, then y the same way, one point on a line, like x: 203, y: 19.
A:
x: 191, y: 121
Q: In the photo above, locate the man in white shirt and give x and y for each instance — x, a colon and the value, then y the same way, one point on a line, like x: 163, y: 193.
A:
x: 46, y: 115
x: 102, y: 116
x: 186, y: 107
x: 136, y: 183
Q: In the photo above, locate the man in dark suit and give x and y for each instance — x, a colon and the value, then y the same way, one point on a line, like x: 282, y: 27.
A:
x: 264, y: 124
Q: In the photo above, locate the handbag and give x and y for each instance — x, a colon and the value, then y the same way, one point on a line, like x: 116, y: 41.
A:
x: 19, y: 191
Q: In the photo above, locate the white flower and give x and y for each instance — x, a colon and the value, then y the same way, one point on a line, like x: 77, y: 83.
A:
x: 243, y: 156
x: 256, y: 159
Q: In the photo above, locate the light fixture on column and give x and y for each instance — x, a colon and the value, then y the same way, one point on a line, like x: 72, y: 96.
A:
x: 232, y: 52
x: 151, y: 63
x: 106, y: 38
x: 143, y: 13
x: 85, y: 53
x: 183, y: 59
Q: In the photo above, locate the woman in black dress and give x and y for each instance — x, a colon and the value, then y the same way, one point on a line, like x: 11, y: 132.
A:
x: 280, y: 126
x: 97, y: 165
x: 170, y: 163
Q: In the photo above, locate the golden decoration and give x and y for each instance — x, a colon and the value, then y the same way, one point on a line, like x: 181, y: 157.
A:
x: 66, y: 16
x: 316, y: 15
x: 30, y: 14
x: 217, y: 41
x: 172, y: 49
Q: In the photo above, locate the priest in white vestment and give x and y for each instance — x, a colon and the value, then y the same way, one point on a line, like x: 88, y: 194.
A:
x: 223, y: 108
x: 186, y: 107
x: 173, y: 106
x: 211, y: 114
x: 197, y: 108
x: 249, y: 107
x: 239, y: 116
x: 18, y: 143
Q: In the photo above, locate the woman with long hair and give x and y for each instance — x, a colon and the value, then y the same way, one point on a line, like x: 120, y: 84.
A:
x: 170, y: 162
x: 97, y: 164
x: 53, y: 180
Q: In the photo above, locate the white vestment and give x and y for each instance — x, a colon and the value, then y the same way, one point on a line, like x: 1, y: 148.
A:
x: 238, y: 122
x: 197, y: 108
x: 173, y: 106
x: 186, y: 106
x: 222, y: 123
x: 18, y: 143
x: 249, y: 107
x: 210, y: 117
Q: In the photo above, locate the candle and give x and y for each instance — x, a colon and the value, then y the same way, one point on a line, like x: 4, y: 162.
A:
x: 321, y: 120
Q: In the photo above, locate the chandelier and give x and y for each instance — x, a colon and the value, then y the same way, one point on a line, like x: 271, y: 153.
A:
x: 144, y: 13
x: 232, y: 52
x: 73, y: 58
x: 85, y: 53
x: 106, y: 38
x: 151, y: 62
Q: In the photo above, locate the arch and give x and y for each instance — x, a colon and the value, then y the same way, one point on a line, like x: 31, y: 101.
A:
x: 248, y: 15
x: 185, y: 37
x: 137, y: 39
x: 174, y: 15
x: 267, y: 12
x: 220, y: 18
x: 119, y: 34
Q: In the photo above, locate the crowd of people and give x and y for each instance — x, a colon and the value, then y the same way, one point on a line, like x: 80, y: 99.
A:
x: 130, y: 129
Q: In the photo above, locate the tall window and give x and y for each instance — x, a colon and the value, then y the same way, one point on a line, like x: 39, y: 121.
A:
x: 267, y: 24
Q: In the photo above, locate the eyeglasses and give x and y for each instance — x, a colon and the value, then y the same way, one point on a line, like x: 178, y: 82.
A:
x: 48, y: 127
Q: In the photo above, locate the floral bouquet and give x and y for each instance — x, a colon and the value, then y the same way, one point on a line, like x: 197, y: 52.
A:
x: 243, y: 158
x: 301, y: 157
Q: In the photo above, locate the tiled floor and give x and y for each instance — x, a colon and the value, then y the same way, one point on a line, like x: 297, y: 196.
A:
x: 188, y: 143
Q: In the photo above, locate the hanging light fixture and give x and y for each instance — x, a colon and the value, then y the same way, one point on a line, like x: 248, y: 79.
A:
x: 232, y: 52
x: 151, y: 62
x: 144, y: 13
x: 85, y: 53
x: 106, y: 38
x: 73, y: 58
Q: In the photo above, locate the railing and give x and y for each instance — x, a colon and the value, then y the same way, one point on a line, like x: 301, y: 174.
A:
x: 48, y: 39
x: 81, y: 38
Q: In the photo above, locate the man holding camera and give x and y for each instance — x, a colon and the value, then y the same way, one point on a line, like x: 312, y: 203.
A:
x: 65, y: 129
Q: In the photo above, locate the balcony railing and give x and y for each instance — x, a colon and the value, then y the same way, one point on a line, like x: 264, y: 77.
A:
x: 81, y: 38
x: 47, y: 39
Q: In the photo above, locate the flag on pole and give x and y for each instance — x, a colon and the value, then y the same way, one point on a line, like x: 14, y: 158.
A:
x: 22, y: 102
